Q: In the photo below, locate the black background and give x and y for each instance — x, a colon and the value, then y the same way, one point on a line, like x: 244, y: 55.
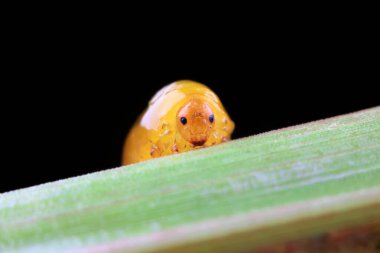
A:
x: 72, y: 97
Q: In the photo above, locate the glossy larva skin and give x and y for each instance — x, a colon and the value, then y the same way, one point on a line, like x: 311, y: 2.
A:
x: 162, y: 130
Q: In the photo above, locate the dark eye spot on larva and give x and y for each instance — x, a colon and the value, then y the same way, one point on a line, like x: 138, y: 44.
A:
x: 183, y: 120
x: 211, y: 118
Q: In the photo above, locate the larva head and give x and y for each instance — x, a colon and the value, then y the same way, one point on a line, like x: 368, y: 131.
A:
x: 195, y: 121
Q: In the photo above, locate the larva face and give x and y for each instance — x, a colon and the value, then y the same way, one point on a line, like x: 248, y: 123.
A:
x: 195, y: 121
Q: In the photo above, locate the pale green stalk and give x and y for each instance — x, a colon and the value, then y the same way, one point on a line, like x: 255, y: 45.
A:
x: 287, y: 184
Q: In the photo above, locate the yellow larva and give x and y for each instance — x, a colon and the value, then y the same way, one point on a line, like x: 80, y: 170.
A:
x: 182, y: 116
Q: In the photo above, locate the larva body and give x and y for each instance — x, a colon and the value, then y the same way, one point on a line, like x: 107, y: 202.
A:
x: 182, y: 116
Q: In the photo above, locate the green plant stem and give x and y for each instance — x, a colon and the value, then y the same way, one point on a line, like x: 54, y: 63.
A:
x: 283, y: 185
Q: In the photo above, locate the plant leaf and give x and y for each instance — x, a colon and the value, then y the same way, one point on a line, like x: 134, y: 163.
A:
x: 283, y: 185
